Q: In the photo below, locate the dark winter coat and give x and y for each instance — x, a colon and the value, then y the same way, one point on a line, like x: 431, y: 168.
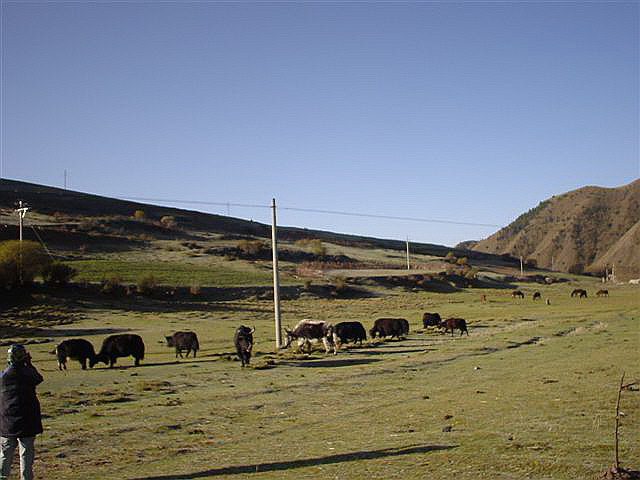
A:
x: 19, y: 406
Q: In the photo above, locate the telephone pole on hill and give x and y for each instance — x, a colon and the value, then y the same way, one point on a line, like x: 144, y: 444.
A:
x: 21, y: 211
x: 276, y: 276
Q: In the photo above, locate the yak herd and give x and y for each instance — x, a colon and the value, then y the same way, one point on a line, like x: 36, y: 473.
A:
x: 304, y: 334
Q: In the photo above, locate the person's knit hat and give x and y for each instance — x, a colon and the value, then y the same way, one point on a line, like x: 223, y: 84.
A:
x: 16, y: 354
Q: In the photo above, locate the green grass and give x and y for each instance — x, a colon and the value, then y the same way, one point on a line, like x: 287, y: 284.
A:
x: 172, y: 273
x: 529, y: 394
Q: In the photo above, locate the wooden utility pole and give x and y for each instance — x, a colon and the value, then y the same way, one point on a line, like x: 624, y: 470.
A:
x: 276, y: 277
x: 21, y: 211
x: 408, y: 263
x: 521, y: 267
x: 616, y: 456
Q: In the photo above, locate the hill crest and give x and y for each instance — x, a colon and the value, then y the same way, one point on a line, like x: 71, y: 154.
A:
x: 584, y: 229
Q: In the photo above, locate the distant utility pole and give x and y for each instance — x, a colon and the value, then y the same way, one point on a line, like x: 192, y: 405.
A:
x: 521, y: 267
x: 65, y: 178
x: 276, y: 277
x: 408, y: 263
x: 21, y: 211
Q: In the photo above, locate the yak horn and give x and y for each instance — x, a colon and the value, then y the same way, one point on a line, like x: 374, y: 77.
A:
x: 253, y: 330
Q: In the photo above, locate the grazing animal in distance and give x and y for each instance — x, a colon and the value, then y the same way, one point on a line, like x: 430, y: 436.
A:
x: 184, y: 341
x: 308, y: 331
x: 348, y: 331
x: 537, y: 296
x: 389, y: 327
x: 517, y: 293
x: 602, y: 293
x: 243, y: 341
x: 123, y: 345
x: 454, y: 323
x: 75, y: 349
x: 483, y: 298
x: 431, y: 319
x: 579, y: 292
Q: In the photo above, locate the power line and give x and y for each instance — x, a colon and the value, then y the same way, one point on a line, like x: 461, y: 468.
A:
x: 388, y: 217
x: 195, y: 202
x: 312, y: 210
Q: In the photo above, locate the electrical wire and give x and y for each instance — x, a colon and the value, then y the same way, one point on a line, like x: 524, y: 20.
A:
x: 311, y: 210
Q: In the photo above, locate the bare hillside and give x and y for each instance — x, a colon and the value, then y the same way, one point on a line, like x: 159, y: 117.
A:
x: 586, y: 228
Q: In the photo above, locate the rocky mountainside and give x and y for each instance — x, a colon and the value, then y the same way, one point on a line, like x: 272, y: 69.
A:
x: 585, y: 229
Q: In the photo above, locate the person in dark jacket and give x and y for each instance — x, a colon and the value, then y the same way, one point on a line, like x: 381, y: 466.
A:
x: 20, y: 419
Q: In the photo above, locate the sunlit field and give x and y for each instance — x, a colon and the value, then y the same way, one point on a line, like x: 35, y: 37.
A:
x: 530, y: 393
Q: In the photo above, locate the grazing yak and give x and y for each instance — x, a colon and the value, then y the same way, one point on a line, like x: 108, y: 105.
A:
x: 389, y: 327
x: 350, y: 331
x: 243, y: 341
x: 537, y: 296
x: 579, y: 292
x: 116, y: 346
x: 184, y: 341
x: 454, y: 323
x: 74, y: 349
x: 307, y: 331
x: 517, y: 293
x: 431, y: 319
x: 602, y: 293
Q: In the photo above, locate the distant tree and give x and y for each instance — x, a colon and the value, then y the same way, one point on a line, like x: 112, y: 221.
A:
x: 339, y: 283
x: 195, y: 289
x: 250, y: 247
x: 576, y: 269
x: 58, y: 273
x: 168, y: 221
x: 471, y: 274
x: 450, y: 258
x: 21, y: 262
x: 112, y: 284
x: 314, y: 246
x: 139, y: 215
x: 146, y: 284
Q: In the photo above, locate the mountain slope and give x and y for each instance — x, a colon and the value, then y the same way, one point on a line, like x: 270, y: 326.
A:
x: 590, y: 227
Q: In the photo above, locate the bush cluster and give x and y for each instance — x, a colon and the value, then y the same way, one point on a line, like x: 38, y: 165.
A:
x: 21, y: 263
x: 250, y: 247
x: 313, y: 246
x: 58, y: 273
x: 146, y: 284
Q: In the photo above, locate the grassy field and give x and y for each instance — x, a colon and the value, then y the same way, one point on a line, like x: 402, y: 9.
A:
x: 529, y: 394
x: 173, y: 273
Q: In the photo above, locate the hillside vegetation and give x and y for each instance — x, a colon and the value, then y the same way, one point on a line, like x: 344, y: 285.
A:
x: 584, y: 230
x: 105, y: 237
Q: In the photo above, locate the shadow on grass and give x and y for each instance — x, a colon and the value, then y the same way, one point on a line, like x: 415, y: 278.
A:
x: 331, y: 363
x: 386, y: 352
x: 306, y: 462
x: 75, y: 332
x: 182, y: 361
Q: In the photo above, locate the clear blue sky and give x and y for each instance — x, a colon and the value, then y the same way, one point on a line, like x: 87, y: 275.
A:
x: 460, y: 111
